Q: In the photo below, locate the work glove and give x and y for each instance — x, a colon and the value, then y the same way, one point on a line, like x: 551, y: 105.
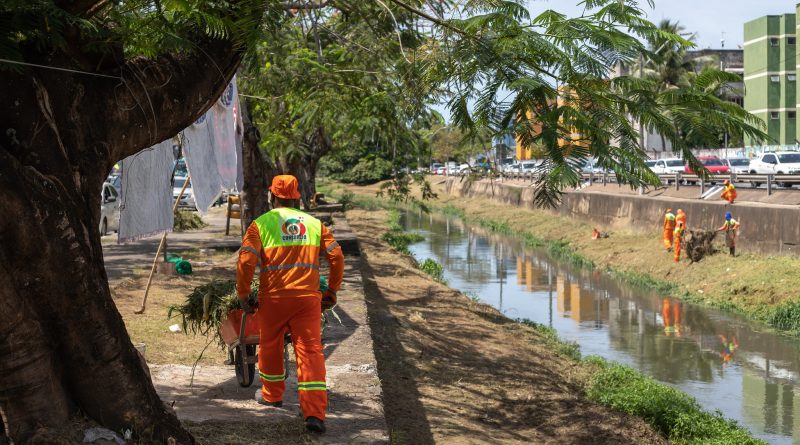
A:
x: 249, y: 305
x: 328, y: 299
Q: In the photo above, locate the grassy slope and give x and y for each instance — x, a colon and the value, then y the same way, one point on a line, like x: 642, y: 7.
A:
x: 674, y: 414
x: 761, y: 287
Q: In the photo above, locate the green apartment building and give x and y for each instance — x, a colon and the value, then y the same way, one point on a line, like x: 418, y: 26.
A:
x: 770, y: 76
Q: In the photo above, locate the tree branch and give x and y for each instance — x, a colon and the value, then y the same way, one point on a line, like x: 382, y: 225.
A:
x: 160, y: 97
x: 288, y: 6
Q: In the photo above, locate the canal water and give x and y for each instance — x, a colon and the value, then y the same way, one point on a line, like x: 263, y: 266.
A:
x: 726, y: 362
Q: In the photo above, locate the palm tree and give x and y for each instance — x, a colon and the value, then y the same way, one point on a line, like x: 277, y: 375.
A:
x: 668, y: 65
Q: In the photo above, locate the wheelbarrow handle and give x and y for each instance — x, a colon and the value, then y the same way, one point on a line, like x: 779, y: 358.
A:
x: 242, y: 328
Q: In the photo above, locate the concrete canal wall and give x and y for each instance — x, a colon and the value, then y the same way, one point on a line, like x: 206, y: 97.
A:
x: 766, y: 228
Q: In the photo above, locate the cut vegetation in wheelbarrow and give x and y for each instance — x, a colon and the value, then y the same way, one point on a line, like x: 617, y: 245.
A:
x: 208, y: 306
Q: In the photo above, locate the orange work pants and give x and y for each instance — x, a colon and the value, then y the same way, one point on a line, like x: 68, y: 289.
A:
x: 301, y: 315
x: 677, y: 248
x: 729, y: 195
x: 668, y: 234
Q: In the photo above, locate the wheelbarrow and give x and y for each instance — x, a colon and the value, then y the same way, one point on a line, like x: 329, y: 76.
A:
x: 241, y: 338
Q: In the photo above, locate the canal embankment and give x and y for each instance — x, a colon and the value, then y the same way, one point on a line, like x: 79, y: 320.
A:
x: 769, y: 223
x: 763, y: 287
x: 454, y: 370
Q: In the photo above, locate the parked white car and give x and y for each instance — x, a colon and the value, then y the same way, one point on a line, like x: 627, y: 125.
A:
x: 109, y: 209
x: 668, y: 166
x: 738, y: 165
x: 776, y: 163
x: 529, y: 166
x: 187, y: 199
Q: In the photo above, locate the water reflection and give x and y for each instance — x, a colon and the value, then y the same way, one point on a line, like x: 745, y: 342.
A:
x: 724, y: 361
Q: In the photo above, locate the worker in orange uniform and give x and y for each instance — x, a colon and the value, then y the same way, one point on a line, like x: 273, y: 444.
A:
x: 285, y: 245
x: 680, y: 217
x: 731, y: 229
x: 729, y: 193
x: 669, y: 228
x: 678, y: 240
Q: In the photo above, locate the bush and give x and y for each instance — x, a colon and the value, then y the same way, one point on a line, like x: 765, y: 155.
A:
x: 368, y: 171
x: 674, y: 414
x: 347, y: 200
x: 401, y: 240
x: 786, y: 316
x: 434, y: 269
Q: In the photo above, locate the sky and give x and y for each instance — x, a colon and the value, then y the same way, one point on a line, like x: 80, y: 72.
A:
x: 712, y: 20
x: 709, y: 18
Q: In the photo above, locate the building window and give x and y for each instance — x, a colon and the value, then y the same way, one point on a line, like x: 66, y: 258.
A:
x: 791, y: 40
x: 774, y: 41
x: 775, y: 78
x: 792, y: 114
x: 774, y: 115
x: 791, y: 77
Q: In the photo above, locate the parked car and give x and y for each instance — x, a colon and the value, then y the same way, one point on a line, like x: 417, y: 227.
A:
x: 441, y: 170
x: 435, y: 167
x: 650, y: 164
x: 187, y: 199
x: 713, y: 164
x: 591, y: 166
x: 776, y: 163
x: 529, y: 166
x: 668, y: 166
x: 116, y: 181
x: 738, y: 165
x: 512, y: 167
x: 109, y: 209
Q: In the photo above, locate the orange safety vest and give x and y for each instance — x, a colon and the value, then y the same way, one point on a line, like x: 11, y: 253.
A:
x: 286, y: 244
x: 669, y: 221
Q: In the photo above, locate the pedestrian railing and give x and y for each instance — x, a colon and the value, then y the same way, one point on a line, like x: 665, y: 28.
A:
x: 677, y: 180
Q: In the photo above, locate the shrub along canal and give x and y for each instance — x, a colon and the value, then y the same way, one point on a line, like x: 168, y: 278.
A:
x: 726, y: 362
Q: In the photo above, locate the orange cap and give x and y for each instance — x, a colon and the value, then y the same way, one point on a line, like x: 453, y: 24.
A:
x: 285, y: 187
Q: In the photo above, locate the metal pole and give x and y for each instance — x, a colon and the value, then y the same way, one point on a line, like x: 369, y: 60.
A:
x: 769, y: 184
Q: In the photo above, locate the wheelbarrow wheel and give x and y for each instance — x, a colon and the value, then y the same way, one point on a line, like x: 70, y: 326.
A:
x: 245, y: 372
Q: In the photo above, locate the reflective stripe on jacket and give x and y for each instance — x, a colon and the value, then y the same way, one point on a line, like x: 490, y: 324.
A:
x: 284, y: 246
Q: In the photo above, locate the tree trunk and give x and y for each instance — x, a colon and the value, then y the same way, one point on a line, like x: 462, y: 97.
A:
x: 257, y: 173
x: 305, y: 168
x: 64, y: 349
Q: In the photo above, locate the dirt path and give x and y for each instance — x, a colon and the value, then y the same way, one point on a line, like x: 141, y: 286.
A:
x: 453, y: 371
x: 215, y: 408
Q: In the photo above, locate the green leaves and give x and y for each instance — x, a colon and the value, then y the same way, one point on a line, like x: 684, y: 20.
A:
x: 549, y: 77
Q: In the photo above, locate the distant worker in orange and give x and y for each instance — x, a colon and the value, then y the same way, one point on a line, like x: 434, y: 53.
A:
x: 669, y: 228
x: 285, y: 245
x: 680, y: 217
x: 729, y: 194
x: 731, y: 229
x: 678, y: 240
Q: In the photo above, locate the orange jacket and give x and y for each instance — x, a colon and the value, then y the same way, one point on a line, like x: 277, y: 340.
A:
x: 680, y: 217
x: 669, y: 221
x: 287, y: 270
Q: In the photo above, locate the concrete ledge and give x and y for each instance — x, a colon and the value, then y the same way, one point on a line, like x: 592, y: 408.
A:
x: 766, y: 228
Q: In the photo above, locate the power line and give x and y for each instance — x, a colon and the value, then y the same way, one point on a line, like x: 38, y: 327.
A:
x: 16, y: 62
